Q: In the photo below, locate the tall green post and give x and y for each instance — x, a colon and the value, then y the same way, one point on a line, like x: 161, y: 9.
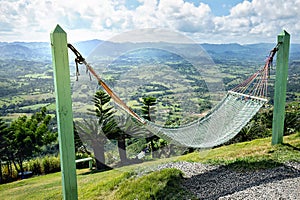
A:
x: 64, y: 112
x: 280, y: 87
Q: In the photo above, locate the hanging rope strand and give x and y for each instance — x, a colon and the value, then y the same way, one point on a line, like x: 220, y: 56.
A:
x: 256, y: 84
x: 260, y: 85
x: 80, y: 60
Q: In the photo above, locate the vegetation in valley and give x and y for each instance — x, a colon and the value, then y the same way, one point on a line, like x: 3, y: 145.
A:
x: 27, y: 77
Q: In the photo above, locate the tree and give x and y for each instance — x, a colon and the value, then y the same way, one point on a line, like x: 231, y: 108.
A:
x: 106, y: 126
x: 3, y: 145
x: 104, y: 112
x: 26, y: 137
x: 92, y: 132
x: 121, y: 137
x: 292, y: 118
x: 120, y: 131
x: 147, y: 110
x: 77, y: 140
x: 127, y: 129
x: 204, y: 105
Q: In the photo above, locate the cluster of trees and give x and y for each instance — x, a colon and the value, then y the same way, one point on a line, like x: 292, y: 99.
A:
x: 30, y: 137
x: 109, y: 126
x: 25, y: 138
x: 19, y: 107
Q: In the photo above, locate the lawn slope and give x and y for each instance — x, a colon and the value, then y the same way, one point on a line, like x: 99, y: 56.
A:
x: 122, y: 183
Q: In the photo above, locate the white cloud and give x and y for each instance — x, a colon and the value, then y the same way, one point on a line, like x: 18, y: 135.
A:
x: 243, y: 9
x: 260, y: 19
x: 184, y: 16
x: 248, y: 21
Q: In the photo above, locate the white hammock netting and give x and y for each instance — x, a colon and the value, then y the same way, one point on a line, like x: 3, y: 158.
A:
x: 217, y: 127
x: 221, y: 124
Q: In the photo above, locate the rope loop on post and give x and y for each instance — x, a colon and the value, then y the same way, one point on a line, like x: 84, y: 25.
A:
x: 272, y: 54
x: 78, y: 60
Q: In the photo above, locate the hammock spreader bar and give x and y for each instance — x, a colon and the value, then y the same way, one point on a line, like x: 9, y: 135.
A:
x: 248, y: 96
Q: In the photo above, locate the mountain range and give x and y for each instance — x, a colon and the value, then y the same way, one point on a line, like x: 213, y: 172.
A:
x: 41, y: 51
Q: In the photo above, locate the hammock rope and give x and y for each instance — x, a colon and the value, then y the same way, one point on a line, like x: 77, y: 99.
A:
x: 80, y: 60
x: 221, y: 124
x: 257, y: 83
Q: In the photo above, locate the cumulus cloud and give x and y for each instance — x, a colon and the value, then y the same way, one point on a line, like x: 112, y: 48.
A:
x: 248, y: 22
x: 261, y: 19
x: 184, y: 16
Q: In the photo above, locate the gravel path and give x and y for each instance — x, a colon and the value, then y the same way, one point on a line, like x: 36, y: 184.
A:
x: 218, y: 182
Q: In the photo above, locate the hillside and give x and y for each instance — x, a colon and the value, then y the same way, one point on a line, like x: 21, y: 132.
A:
x: 249, y: 169
x: 195, y: 76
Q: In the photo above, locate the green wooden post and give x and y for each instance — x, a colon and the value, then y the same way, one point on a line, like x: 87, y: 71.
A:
x: 64, y: 112
x: 280, y: 87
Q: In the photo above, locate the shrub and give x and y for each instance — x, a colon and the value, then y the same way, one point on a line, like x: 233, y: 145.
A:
x: 9, y: 173
x: 38, y: 166
x: 35, y: 165
x: 50, y: 164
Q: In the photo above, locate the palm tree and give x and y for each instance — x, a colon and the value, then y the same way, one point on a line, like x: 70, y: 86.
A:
x: 127, y: 129
x: 91, y: 132
x: 97, y: 131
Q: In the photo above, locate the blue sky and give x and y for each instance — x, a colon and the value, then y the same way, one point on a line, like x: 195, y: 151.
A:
x: 203, y: 21
x: 218, y: 7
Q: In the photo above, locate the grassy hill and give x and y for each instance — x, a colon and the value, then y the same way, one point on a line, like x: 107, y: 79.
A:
x: 123, y: 183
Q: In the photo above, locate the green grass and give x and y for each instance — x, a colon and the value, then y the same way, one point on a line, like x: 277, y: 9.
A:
x: 35, y: 106
x: 100, y: 185
x: 34, y: 76
x: 122, y: 183
x: 41, y: 187
x: 162, y: 184
x: 256, y: 154
x: 11, y: 100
